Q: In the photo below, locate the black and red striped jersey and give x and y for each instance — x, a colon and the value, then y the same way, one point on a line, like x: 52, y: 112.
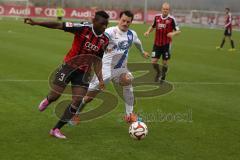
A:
x: 228, y: 21
x: 163, y: 26
x: 86, y: 46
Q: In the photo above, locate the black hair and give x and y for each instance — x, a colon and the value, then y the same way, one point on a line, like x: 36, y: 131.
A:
x: 127, y: 13
x: 228, y: 9
x: 101, y: 14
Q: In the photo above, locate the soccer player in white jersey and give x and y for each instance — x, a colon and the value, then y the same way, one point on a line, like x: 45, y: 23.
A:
x: 114, y: 66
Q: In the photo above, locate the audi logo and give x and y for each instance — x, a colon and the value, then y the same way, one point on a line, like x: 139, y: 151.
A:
x: 51, y: 12
x: 91, y: 46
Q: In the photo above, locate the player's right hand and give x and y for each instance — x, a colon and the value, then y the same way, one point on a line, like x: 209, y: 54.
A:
x: 29, y: 21
x: 146, y: 34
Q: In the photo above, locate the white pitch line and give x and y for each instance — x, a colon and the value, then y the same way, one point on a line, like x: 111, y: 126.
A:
x: 176, y: 83
x: 22, y: 80
x: 206, y: 83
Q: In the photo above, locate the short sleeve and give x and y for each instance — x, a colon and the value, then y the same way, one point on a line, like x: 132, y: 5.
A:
x: 135, y: 37
x: 175, y: 25
x: 154, y: 23
x: 73, y: 26
x: 109, y: 33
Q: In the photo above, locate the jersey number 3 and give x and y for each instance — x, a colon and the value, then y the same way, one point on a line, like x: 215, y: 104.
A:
x: 62, y: 76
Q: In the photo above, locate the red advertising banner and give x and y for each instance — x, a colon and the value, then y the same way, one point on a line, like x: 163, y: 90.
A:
x: 151, y: 15
x: 83, y: 13
x: 180, y: 18
x: 80, y: 13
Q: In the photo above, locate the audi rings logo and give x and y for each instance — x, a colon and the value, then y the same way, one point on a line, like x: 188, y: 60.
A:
x: 1, y: 10
x: 50, y: 12
x: 91, y: 46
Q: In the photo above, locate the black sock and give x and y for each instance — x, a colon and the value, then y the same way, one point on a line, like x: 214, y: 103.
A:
x: 156, y: 67
x: 164, y: 71
x: 67, y: 115
x: 49, y: 100
x: 232, y: 44
x: 223, y: 41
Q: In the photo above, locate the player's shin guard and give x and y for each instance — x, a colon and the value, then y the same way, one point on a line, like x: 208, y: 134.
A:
x: 129, y: 98
x: 232, y: 44
x: 67, y: 116
x: 164, y: 71
x: 222, y: 44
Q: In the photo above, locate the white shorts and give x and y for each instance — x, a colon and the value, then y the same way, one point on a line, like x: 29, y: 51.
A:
x: 108, y: 75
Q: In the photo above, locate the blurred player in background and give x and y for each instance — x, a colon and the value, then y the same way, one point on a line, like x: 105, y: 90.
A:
x: 87, y: 49
x: 60, y: 13
x: 115, y: 64
x: 228, y: 30
x: 166, y: 28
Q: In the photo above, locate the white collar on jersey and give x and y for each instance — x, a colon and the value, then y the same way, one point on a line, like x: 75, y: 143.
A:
x: 164, y: 17
x: 95, y: 33
x: 120, y: 31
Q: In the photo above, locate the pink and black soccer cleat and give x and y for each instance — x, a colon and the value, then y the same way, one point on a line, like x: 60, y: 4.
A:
x: 57, y: 133
x: 43, y: 105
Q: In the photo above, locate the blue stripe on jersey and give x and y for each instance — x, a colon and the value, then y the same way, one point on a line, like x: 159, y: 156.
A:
x: 124, y: 56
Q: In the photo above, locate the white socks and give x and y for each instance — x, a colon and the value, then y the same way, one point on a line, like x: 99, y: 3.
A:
x: 129, y: 98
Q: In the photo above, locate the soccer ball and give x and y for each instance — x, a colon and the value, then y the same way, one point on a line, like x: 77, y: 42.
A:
x: 138, y: 130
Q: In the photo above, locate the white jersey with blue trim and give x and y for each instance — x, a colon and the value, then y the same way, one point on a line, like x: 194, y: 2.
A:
x: 119, y: 45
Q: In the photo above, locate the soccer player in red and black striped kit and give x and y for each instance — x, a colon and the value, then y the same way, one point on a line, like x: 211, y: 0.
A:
x: 228, y: 30
x: 166, y: 28
x: 87, y: 50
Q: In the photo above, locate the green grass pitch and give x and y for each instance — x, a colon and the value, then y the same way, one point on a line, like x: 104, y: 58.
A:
x: 206, y: 85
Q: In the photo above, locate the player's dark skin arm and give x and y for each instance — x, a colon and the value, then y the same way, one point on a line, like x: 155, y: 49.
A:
x: 53, y: 25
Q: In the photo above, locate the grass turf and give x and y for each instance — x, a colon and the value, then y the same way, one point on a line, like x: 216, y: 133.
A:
x: 206, y: 84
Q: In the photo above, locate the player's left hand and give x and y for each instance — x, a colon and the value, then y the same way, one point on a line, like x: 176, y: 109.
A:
x: 101, y: 85
x: 109, y: 50
x: 170, y: 34
x: 146, y: 55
